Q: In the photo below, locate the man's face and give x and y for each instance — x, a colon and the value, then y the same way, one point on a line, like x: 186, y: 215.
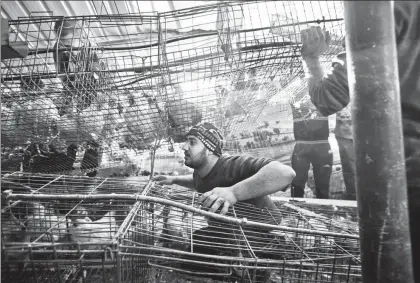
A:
x: 195, y: 153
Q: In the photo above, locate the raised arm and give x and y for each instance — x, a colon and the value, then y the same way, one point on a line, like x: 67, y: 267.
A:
x: 329, y: 92
x: 271, y: 178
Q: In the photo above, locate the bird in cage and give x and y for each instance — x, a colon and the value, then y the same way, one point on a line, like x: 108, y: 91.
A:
x: 182, y: 114
x: 39, y: 158
x: 90, y: 161
x: 174, y: 233
x: 30, y: 121
x: 41, y: 221
x: 69, y: 35
x: 76, y: 127
x: 76, y: 56
x: 75, y: 51
x: 113, y: 117
x: 84, y: 230
x: 143, y: 123
x: 31, y: 83
x: 79, y: 92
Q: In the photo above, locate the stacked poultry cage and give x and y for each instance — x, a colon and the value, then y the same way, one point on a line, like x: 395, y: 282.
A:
x: 54, y: 239
x: 68, y: 229
x: 93, y: 91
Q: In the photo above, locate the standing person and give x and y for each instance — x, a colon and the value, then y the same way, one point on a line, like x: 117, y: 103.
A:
x: 323, y: 92
x: 311, y: 133
x: 329, y: 91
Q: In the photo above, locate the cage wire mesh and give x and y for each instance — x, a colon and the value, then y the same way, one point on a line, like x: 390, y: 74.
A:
x: 57, y: 228
x: 60, y: 240
x: 104, y: 91
x: 183, y: 244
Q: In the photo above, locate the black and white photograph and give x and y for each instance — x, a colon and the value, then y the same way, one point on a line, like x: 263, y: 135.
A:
x: 227, y: 141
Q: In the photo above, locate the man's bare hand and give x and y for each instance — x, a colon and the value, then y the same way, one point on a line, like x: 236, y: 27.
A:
x: 163, y: 180
x: 315, y: 41
x: 218, y: 197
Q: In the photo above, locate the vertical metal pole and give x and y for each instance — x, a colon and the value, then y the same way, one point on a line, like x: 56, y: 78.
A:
x: 380, y: 169
x: 119, y: 266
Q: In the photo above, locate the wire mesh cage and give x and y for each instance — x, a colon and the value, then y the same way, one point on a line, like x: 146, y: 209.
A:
x: 100, y: 89
x: 59, y: 240
x: 179, y: 241
x: 72, y: 228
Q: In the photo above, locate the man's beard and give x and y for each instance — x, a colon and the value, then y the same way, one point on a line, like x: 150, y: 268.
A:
x: 197, y: 161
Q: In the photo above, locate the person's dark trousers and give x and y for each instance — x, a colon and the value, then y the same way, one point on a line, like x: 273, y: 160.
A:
x: 319, y: 154
x: 348, y: 163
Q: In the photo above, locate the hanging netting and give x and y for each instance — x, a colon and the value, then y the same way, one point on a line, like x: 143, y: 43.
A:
x: 107, y: 90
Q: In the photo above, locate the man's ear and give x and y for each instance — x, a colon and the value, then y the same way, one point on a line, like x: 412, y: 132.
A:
x: 209, y: 152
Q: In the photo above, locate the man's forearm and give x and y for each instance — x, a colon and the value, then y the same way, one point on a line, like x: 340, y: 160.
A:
x: 314, y: 74
x: 313, y: 68
x: 273, y: 177
x: 328, y: 93
x: 185, y: 181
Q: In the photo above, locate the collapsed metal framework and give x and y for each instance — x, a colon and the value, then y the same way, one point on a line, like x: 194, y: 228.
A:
x: 94, y: 233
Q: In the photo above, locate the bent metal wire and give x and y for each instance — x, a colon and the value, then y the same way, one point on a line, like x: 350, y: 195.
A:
x: 94, y: 232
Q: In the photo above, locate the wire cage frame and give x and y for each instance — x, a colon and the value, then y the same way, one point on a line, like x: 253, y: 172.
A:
x: 124, y: 84
x: 191, y: 243
x: 60, y: 240
x: 149, y: 235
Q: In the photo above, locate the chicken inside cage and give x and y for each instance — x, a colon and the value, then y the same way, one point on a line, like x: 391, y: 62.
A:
x: 42, y: 231
x: 159, y: 231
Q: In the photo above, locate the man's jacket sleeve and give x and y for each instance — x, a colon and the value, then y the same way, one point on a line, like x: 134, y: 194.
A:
x: 330, y: 93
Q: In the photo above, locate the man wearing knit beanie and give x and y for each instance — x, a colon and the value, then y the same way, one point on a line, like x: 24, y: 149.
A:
x: 225, y: 180
x: 211, y: 138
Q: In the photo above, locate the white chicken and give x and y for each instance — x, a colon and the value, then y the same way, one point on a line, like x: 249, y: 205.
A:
x: 84, y: 230
x: 41, y: 221
x: 320, y: 226
x: 288, y: 221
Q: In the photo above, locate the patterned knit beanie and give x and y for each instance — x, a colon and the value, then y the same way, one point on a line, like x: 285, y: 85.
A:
x: 209, y: 135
